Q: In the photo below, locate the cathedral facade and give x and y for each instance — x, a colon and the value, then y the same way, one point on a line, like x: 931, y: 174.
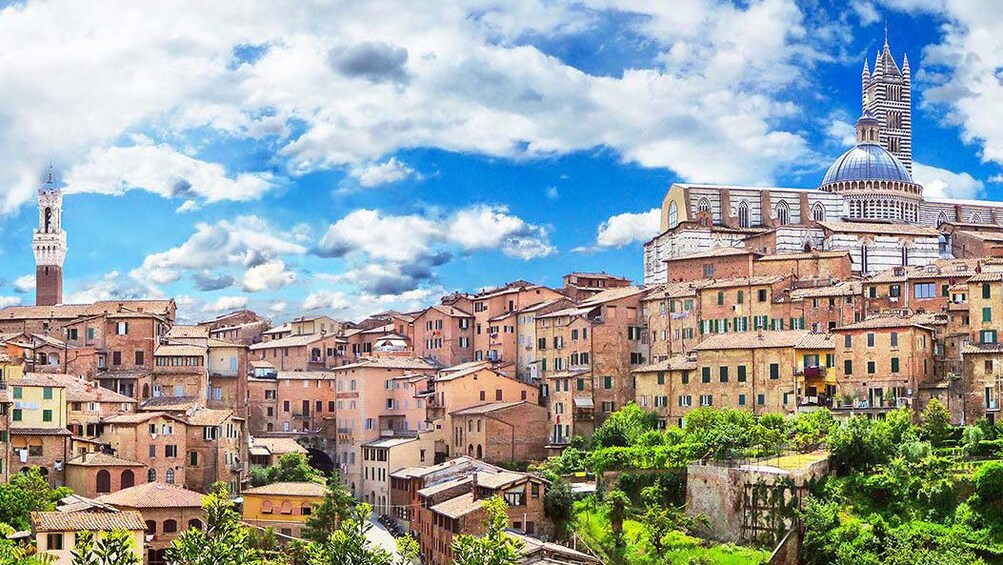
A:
x: 866, y: 204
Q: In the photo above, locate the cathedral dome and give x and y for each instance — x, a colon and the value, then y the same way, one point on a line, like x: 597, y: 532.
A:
x: 867, y: 161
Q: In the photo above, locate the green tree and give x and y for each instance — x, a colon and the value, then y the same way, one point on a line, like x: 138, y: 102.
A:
x: 224, y: 541
x: 989, y: 483
x: 971, y: 439
x: 407, y: 550
x: 27, y: 492
x: 618, y: 503
x: 348, y: 545
x: 858, y: 444
x: 494, y: 546
x: 559, y: 504
x: 292, y: 467
x: 113, y: 548
x: 14, y: 553
x: 622, y: 428
x: 936, y: 422
x: 326, y: 517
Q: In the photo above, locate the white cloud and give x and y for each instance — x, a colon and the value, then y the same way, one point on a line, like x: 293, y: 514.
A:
x: 327, y: 300
x: 378, y: 174
x: 339, y: 88
x: 941, y: 183
x: 271, y: 276
x: 278, y: 306
x: 160, y: 169
x: 225, y: 304
x: 110, y: 286
x: 626, y: 228
x: 6, y: 301
x: 552, y: 193
x: 25, y: 283
x: 492, y: 227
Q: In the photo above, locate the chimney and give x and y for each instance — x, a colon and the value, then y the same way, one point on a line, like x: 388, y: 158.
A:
x: 473, y: 484
x: 760, y: 334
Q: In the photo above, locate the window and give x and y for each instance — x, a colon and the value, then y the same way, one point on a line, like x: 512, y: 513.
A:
x: 706, y: 400
x: 306, y: 509
x: 894, y: 291
x: 985, y: 336
x: 54, y: 542
x: 46, y: 415
x: 741, y: 373
x: 774, y: 370
x: 783, y: 213
x: 987, y: 314
x: 761, y: 399
x: 673, y: 215
x: 140, y: 358
x: 761, y: 295
x: 193, y: 458
x: 170, y: 526
x: 705, y: 375
x: 103, y: 481
x: 17, y: 415
x: 685, y: 377
x: 116, y: 358
x: 986, y: 291
x: 847, y: 341
x: 741, y: 297
x: 47, y: 393
x: 723, y: 374
x: 151, y: 476
x: 894, y: 339
x: 266, y: 507
x: 608, y: 382
x: 925, y: 290
x: 895, y: 364
x: 170, y: 451
x: 169, y: 476
x: 121, y: 328
x: 741, y: 400
x: 18, y: 393
x: 847, y: 367
x: 720, y: 298
x: 743, y: 215
x: 870, y: 340
x: 818, y: 212
x: 660, y: 377
x: 871, y: 368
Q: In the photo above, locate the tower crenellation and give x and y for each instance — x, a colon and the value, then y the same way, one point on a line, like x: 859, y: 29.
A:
x: 49, y: 245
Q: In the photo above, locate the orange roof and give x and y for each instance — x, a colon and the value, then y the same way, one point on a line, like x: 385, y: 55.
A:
x: 289, y: 489
x: 154, y: 495
x: 90, y: 521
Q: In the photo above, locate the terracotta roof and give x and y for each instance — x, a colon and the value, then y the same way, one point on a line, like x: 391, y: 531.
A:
x: 258, y: 364
x: 279, y: 329
x: 78, y: 390
x: 208, y: 417
x: 847, y: 288
x: 178, y: 331
x: 536, y: 551
x: 986, y: 277
x: 752, y: 340
x: 674, y: 363
x: 70, y: 311
x: 879, y: 322
x: 939, y: 269
x: 432, y: 490
x: 451, y: 375
x: 289, y: 489
x: 392, y: 362
x: 880, y: 228
x: 14, y: 431
x: 90, y: 521
x: 459, y: 506
x: 609, y: 295
x: 216, y: 342
x: 179, y: 350
x: 569, y: 374
x: 981, y: 348
x: 816, y: 341
x: 92, y: 459
x: 487, y: 408
x: 36, y: 379
x: 291, y: 341
x: 154, y: 495
x: 501, y: 479
x: 170, y: 403
x: 463, y: 460
x: 278, y: 445
x: 303, y: 375
x: 77, y: 503
x: 138, y: 417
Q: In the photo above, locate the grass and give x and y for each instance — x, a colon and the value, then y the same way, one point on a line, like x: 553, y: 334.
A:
x: 592, y: 525
x: 794, y: 461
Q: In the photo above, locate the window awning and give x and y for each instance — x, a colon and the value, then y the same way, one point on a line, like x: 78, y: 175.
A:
x: 584, y: 402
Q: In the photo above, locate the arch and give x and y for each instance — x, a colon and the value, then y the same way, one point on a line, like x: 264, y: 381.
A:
x: 151, y: 527
x: 151, y: 476
x: 743, y: 214
x: 195, y: 523
x: 104, y: 481
x: 128, y: 478
x: 479, y: 451
x: 48, y: 218
x: 321, y: 461
x: 286, y: 507
x: 703, y: 205
x: 782, y: 211
x: 267, y: 507
x: 673, y: 215
x: 942, y: 218
x: 169, y: 476
x: 170, y: 526
x: 146, y: 390
x: 470, y: 450
x: 975, y: 218
x: 818, y: 212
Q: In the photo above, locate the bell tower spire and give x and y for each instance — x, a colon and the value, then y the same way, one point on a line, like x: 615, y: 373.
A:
x: 49, y: 243
x: 887, y: 94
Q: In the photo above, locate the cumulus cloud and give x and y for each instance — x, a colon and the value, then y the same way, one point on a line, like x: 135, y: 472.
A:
x: 160, y: 169
x: 24, y: 283
x: 627, y: 228
x: 278, y: 306
x: 225, y: 304
x: 378, y: 174
x: 271, y: 276
x: 207, y: 282
x: 327, y: 300
x: 6, y: 301
x: 941, y: 183
x: 110, y: 286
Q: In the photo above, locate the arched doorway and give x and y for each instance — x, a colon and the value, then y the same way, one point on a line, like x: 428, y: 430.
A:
x: 103, y: 481
x: 128, y: 478
x: 321, y: 461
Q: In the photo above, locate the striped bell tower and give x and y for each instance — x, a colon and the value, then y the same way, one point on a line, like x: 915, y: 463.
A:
x: 887, y: 94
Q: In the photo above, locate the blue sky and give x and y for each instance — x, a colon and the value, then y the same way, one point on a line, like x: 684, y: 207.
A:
x: 352, y: 157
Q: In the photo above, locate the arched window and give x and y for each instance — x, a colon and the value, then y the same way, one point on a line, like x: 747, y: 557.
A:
x: 169, y: 476
x: 470, y: 450
x: 479, y: 453
x: 151, y: 476
x: 128, y: 478
x: 975, y: 218
x: 104, y: 481
x: 942, y: 218
x: 146, y: 390
x: 703, y: 205
x: 673, y: 215
x: 783, y: 213
x: 306, y: 508
x: 287, y: 507
x: 266, y: 506
x: 151, y: 527
x: 170, y: 526
x: 818, y: 212
x: 743, y: 214
x: 196, y: 524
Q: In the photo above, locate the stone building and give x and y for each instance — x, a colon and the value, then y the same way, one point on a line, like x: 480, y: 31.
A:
x: 167, y: 510
x: 444, y: 334
x: 284, y: 507
x: 501, y: 432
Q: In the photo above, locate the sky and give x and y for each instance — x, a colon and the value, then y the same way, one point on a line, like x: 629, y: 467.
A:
x: 346, y: 158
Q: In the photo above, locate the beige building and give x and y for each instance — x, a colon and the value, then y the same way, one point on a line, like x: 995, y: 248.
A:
x: 284, y: 507
x: 167, y: 510
x: 55, y: 533
x: 381, y: 458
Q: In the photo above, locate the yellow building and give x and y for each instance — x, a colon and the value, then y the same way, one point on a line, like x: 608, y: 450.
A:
x: 654, y: 385
x: 37, y: 420
x: 9, y: 369
x: 283, y: 507
x: 56, y: 532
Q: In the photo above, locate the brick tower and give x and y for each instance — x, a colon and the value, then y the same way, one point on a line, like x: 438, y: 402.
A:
x: 49, y: 244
